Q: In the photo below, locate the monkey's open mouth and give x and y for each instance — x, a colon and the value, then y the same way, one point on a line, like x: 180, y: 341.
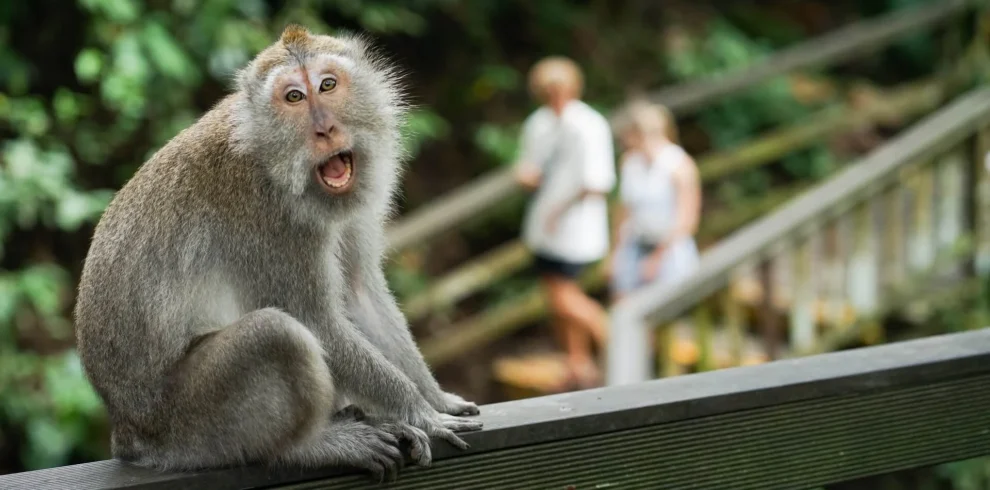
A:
x: 337, y: 173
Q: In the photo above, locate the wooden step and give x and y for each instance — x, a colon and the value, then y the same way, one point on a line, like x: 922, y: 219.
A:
x: 541, y: 373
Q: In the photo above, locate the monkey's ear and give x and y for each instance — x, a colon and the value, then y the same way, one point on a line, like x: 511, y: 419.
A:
x: 294, y: 34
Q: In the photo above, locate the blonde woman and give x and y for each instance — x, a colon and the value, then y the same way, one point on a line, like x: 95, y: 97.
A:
x: 659, y: 205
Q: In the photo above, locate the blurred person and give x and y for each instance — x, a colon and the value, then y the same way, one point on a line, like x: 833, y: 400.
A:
x: 567, y: 160
x: 659, y: 202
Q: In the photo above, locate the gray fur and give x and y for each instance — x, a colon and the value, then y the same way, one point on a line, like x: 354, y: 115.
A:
x: 228, y: 307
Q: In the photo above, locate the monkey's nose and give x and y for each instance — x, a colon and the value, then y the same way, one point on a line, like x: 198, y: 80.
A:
x: 324, y: 133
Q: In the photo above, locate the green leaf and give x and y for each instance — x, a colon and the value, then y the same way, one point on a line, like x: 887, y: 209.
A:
x: 167, y: 55
x: 42, y: 286
x: 10, y: 297
x: 89, y: 63
x: 47, y: 444
x: 119, y: 11
x: 67, y: 106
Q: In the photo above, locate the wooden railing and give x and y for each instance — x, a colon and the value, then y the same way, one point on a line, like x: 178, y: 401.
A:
x: 905, y: 221
x: 798, y: 423
x: 906, y: 102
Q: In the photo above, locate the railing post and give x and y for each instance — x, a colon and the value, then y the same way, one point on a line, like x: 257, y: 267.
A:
x: 863, y: 280
x: 981, y: 209
x: 628, y: 351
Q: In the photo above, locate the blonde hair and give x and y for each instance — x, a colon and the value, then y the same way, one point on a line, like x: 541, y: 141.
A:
x: 645, y: 118
x: 555, y: 71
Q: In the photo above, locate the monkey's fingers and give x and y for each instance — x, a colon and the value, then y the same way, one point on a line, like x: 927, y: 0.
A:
x: 459, y: 406
x: 419, y: 442
x: 460, y: 424
x: 453, y: 439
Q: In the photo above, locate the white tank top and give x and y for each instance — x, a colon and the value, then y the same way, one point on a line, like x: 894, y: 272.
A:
x: 647, y: 190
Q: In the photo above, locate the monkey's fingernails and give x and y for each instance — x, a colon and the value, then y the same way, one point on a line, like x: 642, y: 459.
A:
x: 457, y: 442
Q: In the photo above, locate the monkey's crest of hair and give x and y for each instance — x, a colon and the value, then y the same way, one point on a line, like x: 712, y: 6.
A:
x: 294, y: 34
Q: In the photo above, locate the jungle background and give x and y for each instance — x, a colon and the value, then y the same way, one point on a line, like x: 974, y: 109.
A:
x: 90, y: 88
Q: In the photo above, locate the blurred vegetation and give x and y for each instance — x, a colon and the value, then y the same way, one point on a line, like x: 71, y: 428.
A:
x: 89, y: 89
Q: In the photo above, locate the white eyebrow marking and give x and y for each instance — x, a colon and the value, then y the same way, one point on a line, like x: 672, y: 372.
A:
x: 345, y: 62
x: 272, y: 76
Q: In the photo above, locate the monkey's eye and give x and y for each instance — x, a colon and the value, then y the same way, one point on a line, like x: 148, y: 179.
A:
x: 294, y: 96
x: 328, y: 84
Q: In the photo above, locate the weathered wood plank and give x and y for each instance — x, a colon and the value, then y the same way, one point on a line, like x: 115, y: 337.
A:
x: 627, y: 435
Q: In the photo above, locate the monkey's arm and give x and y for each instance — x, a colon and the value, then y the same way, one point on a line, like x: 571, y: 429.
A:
x: 361, y: 371
x: 378, y: 316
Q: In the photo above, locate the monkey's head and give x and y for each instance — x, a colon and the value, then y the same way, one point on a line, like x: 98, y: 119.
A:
x: 323, y: 115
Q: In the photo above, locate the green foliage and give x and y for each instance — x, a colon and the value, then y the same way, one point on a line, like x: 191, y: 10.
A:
x: 723, y: 48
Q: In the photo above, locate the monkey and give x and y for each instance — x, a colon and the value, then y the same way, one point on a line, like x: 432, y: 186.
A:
x: 233, y: 307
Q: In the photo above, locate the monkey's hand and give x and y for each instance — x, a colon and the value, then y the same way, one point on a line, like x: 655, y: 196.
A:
x: 452, y: 404
x: 443, y: 426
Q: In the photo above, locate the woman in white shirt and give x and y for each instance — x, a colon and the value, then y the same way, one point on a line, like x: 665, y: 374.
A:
x: 659, y: 204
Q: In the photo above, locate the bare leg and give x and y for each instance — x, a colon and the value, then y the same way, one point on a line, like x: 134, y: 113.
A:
x: 572, y: 302
x: 575, y: 328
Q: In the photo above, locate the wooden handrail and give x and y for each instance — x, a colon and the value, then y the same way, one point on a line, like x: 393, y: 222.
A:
x: 800, y: 423
x: 846, y: 43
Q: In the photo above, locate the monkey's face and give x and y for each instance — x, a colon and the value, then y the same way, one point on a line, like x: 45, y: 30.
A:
x: 311, y: 99
x: 326, y: 118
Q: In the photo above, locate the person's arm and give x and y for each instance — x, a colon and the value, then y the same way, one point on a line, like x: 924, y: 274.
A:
x: 687, y: 184
x: 598, y: 170
x: 528, y: 168
x: 618, y: 219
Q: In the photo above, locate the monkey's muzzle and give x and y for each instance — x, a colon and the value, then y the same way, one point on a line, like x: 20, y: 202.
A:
x: 336, y: 174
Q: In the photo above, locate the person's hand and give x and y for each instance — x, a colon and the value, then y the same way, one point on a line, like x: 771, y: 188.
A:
x: 651, y: 265
x: 528, y: 178
x: 553, y: 219
x: 608, y: 266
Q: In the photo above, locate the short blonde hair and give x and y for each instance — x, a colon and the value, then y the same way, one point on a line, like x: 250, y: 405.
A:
x: 645, y: 118
x: 555, y: 71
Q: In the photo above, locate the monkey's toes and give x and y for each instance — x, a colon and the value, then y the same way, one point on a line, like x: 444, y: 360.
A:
x: 460, y: 424
x: 386, y: 460
x: 419, y: 442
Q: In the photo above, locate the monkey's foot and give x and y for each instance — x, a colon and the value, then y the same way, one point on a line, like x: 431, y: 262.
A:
x: 419, y: 442
x: 356, y: 445
x: 455, y: 405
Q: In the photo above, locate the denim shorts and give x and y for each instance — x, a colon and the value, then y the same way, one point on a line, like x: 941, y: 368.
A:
x: 680, y: 261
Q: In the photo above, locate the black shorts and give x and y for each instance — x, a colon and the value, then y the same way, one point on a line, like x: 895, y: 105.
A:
x: 545, y: 265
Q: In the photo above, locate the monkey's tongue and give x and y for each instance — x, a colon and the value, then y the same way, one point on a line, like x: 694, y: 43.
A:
x: 336, y: 171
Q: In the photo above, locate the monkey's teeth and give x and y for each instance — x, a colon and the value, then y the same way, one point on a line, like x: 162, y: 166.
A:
x: 343, y: 180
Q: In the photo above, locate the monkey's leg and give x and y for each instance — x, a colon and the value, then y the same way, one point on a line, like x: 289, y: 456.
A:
x: 260, y: 391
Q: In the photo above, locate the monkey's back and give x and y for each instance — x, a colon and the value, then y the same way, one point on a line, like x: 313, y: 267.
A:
x: 142, y: 247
